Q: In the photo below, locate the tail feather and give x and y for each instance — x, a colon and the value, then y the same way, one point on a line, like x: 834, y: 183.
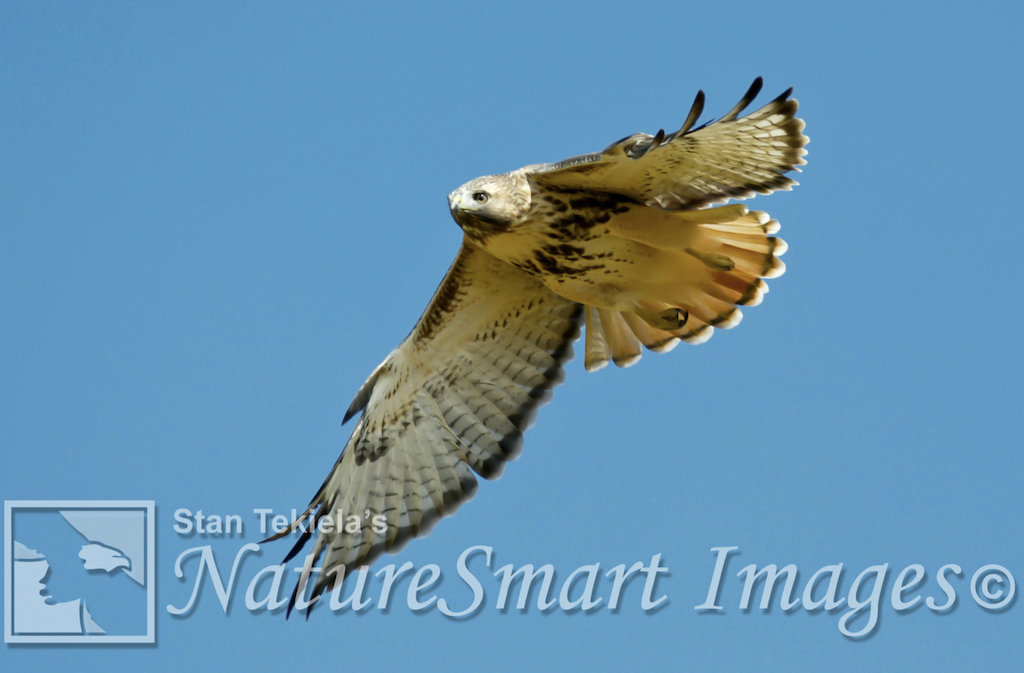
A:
x: 716, y: 312
x: 714, y: 261
x: 596, y: 352
x: 696, y: 331
x: 623, y: 344
x: 610, y: 337
x: 653, y: 339
x: 755, y: 263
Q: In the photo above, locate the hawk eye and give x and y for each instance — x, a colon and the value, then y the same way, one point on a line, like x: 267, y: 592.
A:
x: 480, y: 197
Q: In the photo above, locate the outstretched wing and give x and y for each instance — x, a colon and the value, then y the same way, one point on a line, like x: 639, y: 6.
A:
x: 732, y: 158
x: 452, y: 400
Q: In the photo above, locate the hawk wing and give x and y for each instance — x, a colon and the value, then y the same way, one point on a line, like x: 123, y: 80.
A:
x: 451, y: 402
x: 732, y: 158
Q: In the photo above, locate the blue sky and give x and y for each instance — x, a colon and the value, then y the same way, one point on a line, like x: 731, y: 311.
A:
x: 217, y: 219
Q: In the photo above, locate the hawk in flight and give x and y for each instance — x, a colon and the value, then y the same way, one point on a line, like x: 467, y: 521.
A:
x: 623, y: 241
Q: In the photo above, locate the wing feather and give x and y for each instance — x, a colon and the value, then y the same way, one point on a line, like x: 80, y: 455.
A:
x: 732, y: 158
x: 451, y: 402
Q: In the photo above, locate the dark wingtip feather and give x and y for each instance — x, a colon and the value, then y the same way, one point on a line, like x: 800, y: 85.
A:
x: 303, y: 539
x: 755, y: 88
x: 695, y: 111
x: 291, y: 602
x: 313, y: 600
x: 318, y: 591
x: 747, y: 99
x: 653, y: 144
x: 784, y: 95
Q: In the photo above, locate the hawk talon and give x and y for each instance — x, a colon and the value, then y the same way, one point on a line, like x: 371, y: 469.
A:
x: 668, y: 321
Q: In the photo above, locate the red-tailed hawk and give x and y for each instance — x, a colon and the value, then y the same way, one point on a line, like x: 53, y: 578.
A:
x: 621, y: 240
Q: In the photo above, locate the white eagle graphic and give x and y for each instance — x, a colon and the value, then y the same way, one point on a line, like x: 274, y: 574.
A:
x: 622, y: 241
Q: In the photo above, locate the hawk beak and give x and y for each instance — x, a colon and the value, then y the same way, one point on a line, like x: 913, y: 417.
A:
x: 455, y: 202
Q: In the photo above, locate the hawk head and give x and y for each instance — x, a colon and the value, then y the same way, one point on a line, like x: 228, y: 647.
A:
x: 491, y: 204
